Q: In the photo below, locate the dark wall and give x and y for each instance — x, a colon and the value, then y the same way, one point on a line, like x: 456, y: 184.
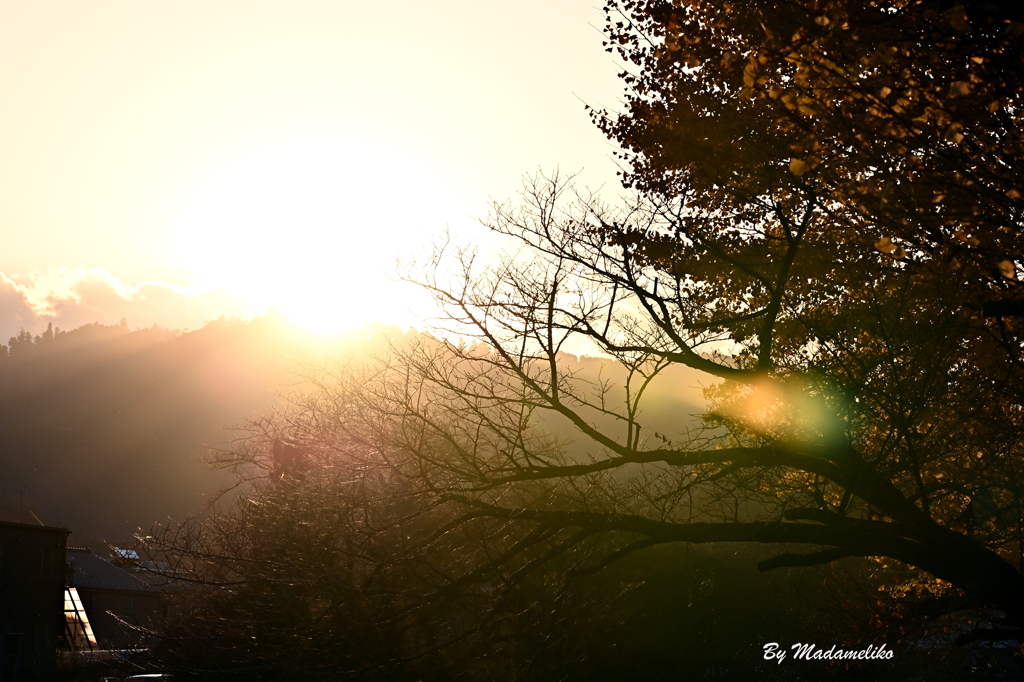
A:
x: 31, y: 600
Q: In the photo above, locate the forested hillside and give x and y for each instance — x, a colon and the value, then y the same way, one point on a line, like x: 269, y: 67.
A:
x: 104, y: 428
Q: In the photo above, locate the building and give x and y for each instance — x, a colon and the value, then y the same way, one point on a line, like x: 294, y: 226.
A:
x: 31, y: 600
x: 113, y: 598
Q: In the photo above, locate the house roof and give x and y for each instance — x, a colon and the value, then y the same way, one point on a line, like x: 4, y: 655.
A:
x: 93, y: 572
x: 33, y: 527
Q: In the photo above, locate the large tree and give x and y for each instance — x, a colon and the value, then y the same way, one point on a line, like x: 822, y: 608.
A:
x: 827, y: 195
x: 828, y: 205
x: 864, y: 409
x: 842, y: 192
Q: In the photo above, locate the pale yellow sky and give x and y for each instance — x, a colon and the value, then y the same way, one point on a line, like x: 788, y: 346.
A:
x: 279, y: 150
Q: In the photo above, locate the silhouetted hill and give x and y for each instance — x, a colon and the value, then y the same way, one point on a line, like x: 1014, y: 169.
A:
x: 104, y: 428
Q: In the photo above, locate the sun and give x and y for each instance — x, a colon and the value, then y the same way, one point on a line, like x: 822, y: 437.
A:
x: 313, y: 227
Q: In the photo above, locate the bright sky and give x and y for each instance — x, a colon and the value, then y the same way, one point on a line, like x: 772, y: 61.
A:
x: 171, y: 162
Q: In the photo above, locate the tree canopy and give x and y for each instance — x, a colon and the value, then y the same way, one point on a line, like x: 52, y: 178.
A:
x: 901, y: 118
x: 840, y: 189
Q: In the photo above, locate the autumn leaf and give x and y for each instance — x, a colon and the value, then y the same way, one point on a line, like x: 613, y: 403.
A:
x: 885, y: 245
x: 959, y: 88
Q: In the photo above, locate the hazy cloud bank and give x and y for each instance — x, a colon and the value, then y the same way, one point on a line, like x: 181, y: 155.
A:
x: 70, y: 298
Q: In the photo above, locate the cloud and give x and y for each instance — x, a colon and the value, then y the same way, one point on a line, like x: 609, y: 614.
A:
x: 70, y: 298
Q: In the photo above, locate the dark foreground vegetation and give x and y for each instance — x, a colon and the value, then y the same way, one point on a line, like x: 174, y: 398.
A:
x: 332, y: 566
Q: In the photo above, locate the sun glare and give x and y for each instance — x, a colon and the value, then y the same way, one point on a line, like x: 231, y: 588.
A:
x: 313, y: 228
